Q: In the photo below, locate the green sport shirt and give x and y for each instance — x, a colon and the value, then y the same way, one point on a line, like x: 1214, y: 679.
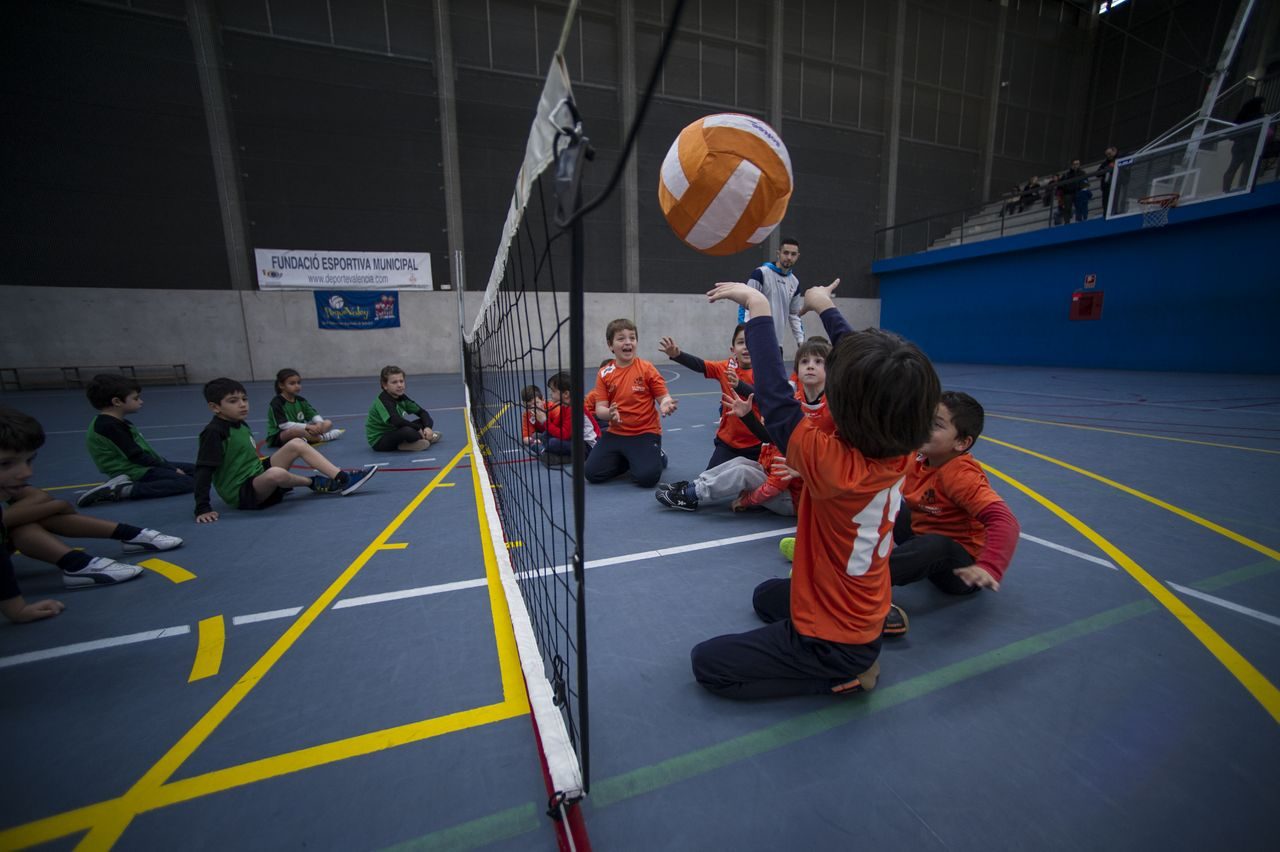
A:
x: 282, y: 410
x: 117, y: 447
x: 387, y: 414
x: 228, y: 457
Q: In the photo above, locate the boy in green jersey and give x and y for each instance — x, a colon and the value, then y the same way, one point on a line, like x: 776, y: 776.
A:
x: 289, y: 415
x: 388, y: 427
x: 228, y: 459
x: 133, y: 469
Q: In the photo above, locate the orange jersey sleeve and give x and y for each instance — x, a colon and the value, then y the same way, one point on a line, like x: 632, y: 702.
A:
x: 732, y: 430
x: 634, y: 389
x: 840, y: 586
x: 529, y: 425
x: 946, y: 501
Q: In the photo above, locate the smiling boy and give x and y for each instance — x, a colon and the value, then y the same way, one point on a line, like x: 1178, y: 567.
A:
x: 628, y: 391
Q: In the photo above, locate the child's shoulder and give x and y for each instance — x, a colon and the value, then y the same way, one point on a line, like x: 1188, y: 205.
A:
x: 961, y: 469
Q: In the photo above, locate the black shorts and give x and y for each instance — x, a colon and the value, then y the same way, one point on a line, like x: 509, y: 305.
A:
x: 249, y: 498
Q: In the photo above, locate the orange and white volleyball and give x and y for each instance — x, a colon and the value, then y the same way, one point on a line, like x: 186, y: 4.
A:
x: 725, y: 183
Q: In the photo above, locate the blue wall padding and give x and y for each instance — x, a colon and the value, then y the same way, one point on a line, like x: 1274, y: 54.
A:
x: 1201, y: 294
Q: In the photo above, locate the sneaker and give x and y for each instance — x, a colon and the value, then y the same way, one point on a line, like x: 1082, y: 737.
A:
x: 350, y: 481
x: 675, y: 498
x: 864, y: 682
x: 323, y: 484
x: 896, y: 622
x: 101, y: 571
x: 112, y: 489
x: 151, y: 541
x: 435, y: 437
x: 331, y: 435
x: 787, y: 547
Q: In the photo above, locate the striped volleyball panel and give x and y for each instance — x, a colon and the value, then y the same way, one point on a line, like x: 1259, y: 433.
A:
x: 725, y: 183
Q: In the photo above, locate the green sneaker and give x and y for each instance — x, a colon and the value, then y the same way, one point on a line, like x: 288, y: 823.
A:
x: 787, y: 547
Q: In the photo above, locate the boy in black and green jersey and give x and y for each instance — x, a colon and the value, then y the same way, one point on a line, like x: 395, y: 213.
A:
x: 228, y: 459
x: 133, y: 469
x: 289, y: 415
x: 388, y: 427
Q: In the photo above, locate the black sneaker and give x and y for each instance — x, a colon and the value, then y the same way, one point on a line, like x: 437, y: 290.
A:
x: 896, y: 623
x: 675, y: 498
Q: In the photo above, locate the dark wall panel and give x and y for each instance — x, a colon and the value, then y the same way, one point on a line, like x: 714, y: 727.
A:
x: 108, y: 179
x: 339, y: 150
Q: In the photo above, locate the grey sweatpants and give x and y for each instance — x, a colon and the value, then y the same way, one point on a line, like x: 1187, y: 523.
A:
x: 726, y: 481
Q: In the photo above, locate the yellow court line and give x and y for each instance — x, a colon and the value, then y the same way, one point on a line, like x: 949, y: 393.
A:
x: 65, y: 487
x: 1156, y: 501
x: 492, y: 420
x: 172, y: 573
x: 121, y: 811
x: 213, y: 637
x: 1253, y: 680
x: 395, y: 545
x: 513, y: 688
x: 1133, y: 434
x: 447, y: 484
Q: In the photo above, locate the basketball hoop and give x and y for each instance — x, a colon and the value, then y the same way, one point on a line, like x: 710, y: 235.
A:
x: 1155, y: 209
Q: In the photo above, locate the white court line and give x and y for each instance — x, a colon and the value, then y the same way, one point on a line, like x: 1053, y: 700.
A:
x: 675, y: 429
x: 1225, y: 604
x: 415, y: 461
x: 97, y: 645
x: 255, y: 617
x: 697, y: 426
x: 422, y: 591
x: 1085, y: 556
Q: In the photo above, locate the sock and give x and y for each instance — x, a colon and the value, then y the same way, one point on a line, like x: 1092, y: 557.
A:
x: 124, y: 532
x: 76, y: 560
x: 691, y: 491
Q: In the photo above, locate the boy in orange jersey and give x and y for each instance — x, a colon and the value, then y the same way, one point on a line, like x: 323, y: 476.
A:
x: 733, y: 438
x: 627, y: 391
x: 953, y: 529
x: 765, y: 482
x: 533, y: 425
x: 823, y: 626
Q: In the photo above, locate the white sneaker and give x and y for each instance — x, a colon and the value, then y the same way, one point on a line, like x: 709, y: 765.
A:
x: 332, y: 435
x: 112, y: 489
x: 152, y: 541
x: 100, y: 571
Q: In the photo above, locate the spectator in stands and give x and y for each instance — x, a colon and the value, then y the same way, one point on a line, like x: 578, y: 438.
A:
x: 1103, y: 172
x: 1030, y: 191
x: 1071, y: 184
x: 1244, y: 146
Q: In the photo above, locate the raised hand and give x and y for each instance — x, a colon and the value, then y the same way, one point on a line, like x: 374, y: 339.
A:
x: 817, y: 299
x: 736, y: 404
x: 669, y: 347
x: 733, y: 291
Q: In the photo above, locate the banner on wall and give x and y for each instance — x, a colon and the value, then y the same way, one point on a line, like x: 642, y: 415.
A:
x: 300, y: 269
x: 357, y: 309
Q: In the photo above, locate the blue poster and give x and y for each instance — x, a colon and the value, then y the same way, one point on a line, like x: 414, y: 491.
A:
x: 357, y: 309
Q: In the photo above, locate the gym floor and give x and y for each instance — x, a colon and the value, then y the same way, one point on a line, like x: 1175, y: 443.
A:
x: 339, y: 672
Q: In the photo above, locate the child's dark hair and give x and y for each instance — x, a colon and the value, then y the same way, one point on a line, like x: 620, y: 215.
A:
x: 966, y: 414
x: 560, y: 382
x: 740, y: 328
x: 814, y: 347
x: 389, y: 371
x: 620, y: 324
x: 219, y: 389
x: 882, y: 392
x: 19, y: 433
x: 105, y: 387
x: 283, y: 376
x: 530, y: 393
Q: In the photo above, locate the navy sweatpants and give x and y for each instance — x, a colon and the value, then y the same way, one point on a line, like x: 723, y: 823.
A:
x: 164, y: 482
x: 615, y: 454
x: 775, y: 660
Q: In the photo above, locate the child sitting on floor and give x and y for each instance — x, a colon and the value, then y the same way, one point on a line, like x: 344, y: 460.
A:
x: 823, y: 626
x: 733, y: 438
x: 628, y: 391
x: 387, y: 428
x: 134, y: 471
x: 228, y: 458
x: 33, y: 520
x: 290, y: 416
x: 953, y: 528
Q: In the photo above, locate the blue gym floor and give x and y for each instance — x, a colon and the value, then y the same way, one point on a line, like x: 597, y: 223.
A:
x: 1116, y: 693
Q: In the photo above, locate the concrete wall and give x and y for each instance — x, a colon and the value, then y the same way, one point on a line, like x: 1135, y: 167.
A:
x: 251, y: 335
